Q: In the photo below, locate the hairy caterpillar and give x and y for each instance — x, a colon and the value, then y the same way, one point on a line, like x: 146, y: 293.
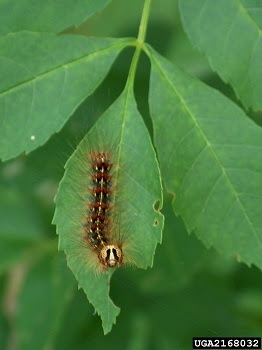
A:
x: 97, y: 225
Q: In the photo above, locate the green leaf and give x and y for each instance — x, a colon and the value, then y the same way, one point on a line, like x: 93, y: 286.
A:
x: 254, y: 8
x: 44, y: 78
x: 41, y: 306
x: 122, y: 133
x: 180, y: 256
x: 231, y: 39
x: 211, y: 160
x: 46, y: 16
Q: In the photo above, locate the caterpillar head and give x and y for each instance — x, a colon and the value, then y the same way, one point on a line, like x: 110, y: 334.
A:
x: 111, y: 255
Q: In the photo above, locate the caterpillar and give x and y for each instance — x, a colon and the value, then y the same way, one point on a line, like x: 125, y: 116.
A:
x: 98, y: 223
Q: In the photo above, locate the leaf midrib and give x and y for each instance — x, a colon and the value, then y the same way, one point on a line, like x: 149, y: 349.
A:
x: 209, y: 145
x: 127, y: 92
x: 83, y: 58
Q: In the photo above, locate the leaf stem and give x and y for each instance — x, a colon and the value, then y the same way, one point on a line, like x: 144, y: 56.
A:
x: 144, y: 22
x: 139, y: 42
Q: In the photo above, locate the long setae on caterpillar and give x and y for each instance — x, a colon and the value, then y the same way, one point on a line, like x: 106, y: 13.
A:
x: 98, y: 222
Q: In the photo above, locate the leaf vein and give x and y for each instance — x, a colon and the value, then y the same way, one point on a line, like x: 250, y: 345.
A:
x: 179, y: 142
x: 191, y: 167
x: 192, y: 117
x: 211, y: 191
x: 29, y: 114
x: 136, y: 182
x: 54, y: 70
x: 249, y: 17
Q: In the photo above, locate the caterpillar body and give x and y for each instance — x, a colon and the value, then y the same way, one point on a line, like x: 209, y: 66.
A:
x: 98, y: 223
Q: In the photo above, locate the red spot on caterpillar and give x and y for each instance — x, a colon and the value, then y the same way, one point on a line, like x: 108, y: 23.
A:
x: 97, y: 223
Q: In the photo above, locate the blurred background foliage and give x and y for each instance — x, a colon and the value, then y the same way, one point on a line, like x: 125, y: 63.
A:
x: 189, y: 292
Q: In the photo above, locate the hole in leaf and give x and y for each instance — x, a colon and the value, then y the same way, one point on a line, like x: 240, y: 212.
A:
x: 157, y: 205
